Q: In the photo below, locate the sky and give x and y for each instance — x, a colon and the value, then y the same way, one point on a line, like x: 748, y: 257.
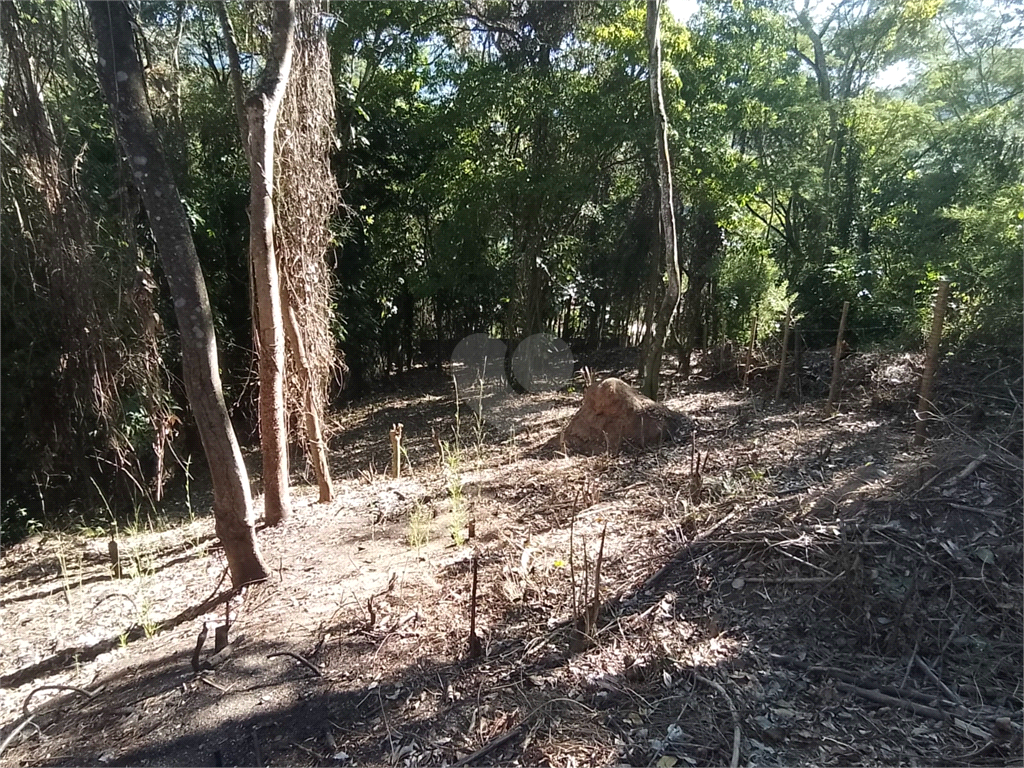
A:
x: 892, y: 77
x: 682, y: 9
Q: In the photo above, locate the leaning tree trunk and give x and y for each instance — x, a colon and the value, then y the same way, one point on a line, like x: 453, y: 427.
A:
x: 121, y: 76
x: 667, y: 231
x: 261, y: 110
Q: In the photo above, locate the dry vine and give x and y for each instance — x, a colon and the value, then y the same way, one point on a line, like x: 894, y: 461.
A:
x: 107, y: 345
x: 307, y: 196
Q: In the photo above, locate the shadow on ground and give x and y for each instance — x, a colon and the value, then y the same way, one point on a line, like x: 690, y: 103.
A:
x: 824, y: 595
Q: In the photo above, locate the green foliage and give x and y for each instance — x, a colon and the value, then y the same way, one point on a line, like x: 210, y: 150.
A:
x: 748, y: 284
x: 419, y: 526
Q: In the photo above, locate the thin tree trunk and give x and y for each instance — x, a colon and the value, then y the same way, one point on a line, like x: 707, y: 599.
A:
x: 311, y: 417
x: 122, y: 79
x: 315, y: 445
x: 238, y: 97
x: 234, y: 73
x: 653, y: 278
x: 667, y: 231
x: 261, y: 110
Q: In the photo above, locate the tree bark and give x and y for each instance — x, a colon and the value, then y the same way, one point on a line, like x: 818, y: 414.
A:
x: 667, y: 230
x: 121, y: 76
x: 261, y: 111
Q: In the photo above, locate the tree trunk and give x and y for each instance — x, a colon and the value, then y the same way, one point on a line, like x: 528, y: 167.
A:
x: 261, y: 110
x: 705, y: 238
x: 234, y: 73
x: 647, y: 322
x: 310, y: 412
x: 238, y: 97
x: 667, y: 231
x: 121, y: 76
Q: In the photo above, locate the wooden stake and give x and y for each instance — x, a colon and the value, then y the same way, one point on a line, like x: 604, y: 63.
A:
x: 782, y: 359
x: 197, y: 653
x: 931, y: 363
x: 115, y: 558
x: 476, y: 649
x: 396, y: 450
x: 833, y: 390
x: 750, y: 349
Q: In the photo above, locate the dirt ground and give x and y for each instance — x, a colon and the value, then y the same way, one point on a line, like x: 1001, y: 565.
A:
x: 820, y: 592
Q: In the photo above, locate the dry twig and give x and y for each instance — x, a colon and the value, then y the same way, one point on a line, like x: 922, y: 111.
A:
x: 15, y: 731
x: 54, y: 687
x: 299, y: 658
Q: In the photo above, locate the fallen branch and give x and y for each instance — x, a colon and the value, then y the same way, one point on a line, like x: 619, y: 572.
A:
x: 966, y: 471
x: 489, y: 747
x: 792, y: 579
x: 219, y: 657
x: 848, y: 678
x: 28, y: 716
x: 498, y: 741
x: 301, y: 659
x: 736, y: 735
x: 662, y: 572
x: 53, y: 687
x: 893, y: 701
x: 209, y: 682
x: 935, y: 679
x: 15, y: 731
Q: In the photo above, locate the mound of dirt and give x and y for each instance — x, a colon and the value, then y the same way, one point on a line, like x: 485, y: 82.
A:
x: 614, y: 416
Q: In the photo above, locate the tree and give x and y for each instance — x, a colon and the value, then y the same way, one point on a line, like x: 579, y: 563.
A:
x: 121, y: 76
x: 261, y: 108
x: 307, y: 198
x: 667, y: 218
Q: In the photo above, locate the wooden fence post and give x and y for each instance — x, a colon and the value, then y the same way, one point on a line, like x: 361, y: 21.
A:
x: 396, y: 450
x: 833, y: 390
x: 931, y: 362
x: 782, y: 359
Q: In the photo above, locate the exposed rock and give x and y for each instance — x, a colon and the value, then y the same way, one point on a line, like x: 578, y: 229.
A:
x: 615, y: 417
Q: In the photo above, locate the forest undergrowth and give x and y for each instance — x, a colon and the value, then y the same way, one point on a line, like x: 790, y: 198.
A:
x: 792, y: 588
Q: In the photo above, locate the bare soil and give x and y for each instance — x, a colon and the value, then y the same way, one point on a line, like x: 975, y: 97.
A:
x: 818, y: 592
